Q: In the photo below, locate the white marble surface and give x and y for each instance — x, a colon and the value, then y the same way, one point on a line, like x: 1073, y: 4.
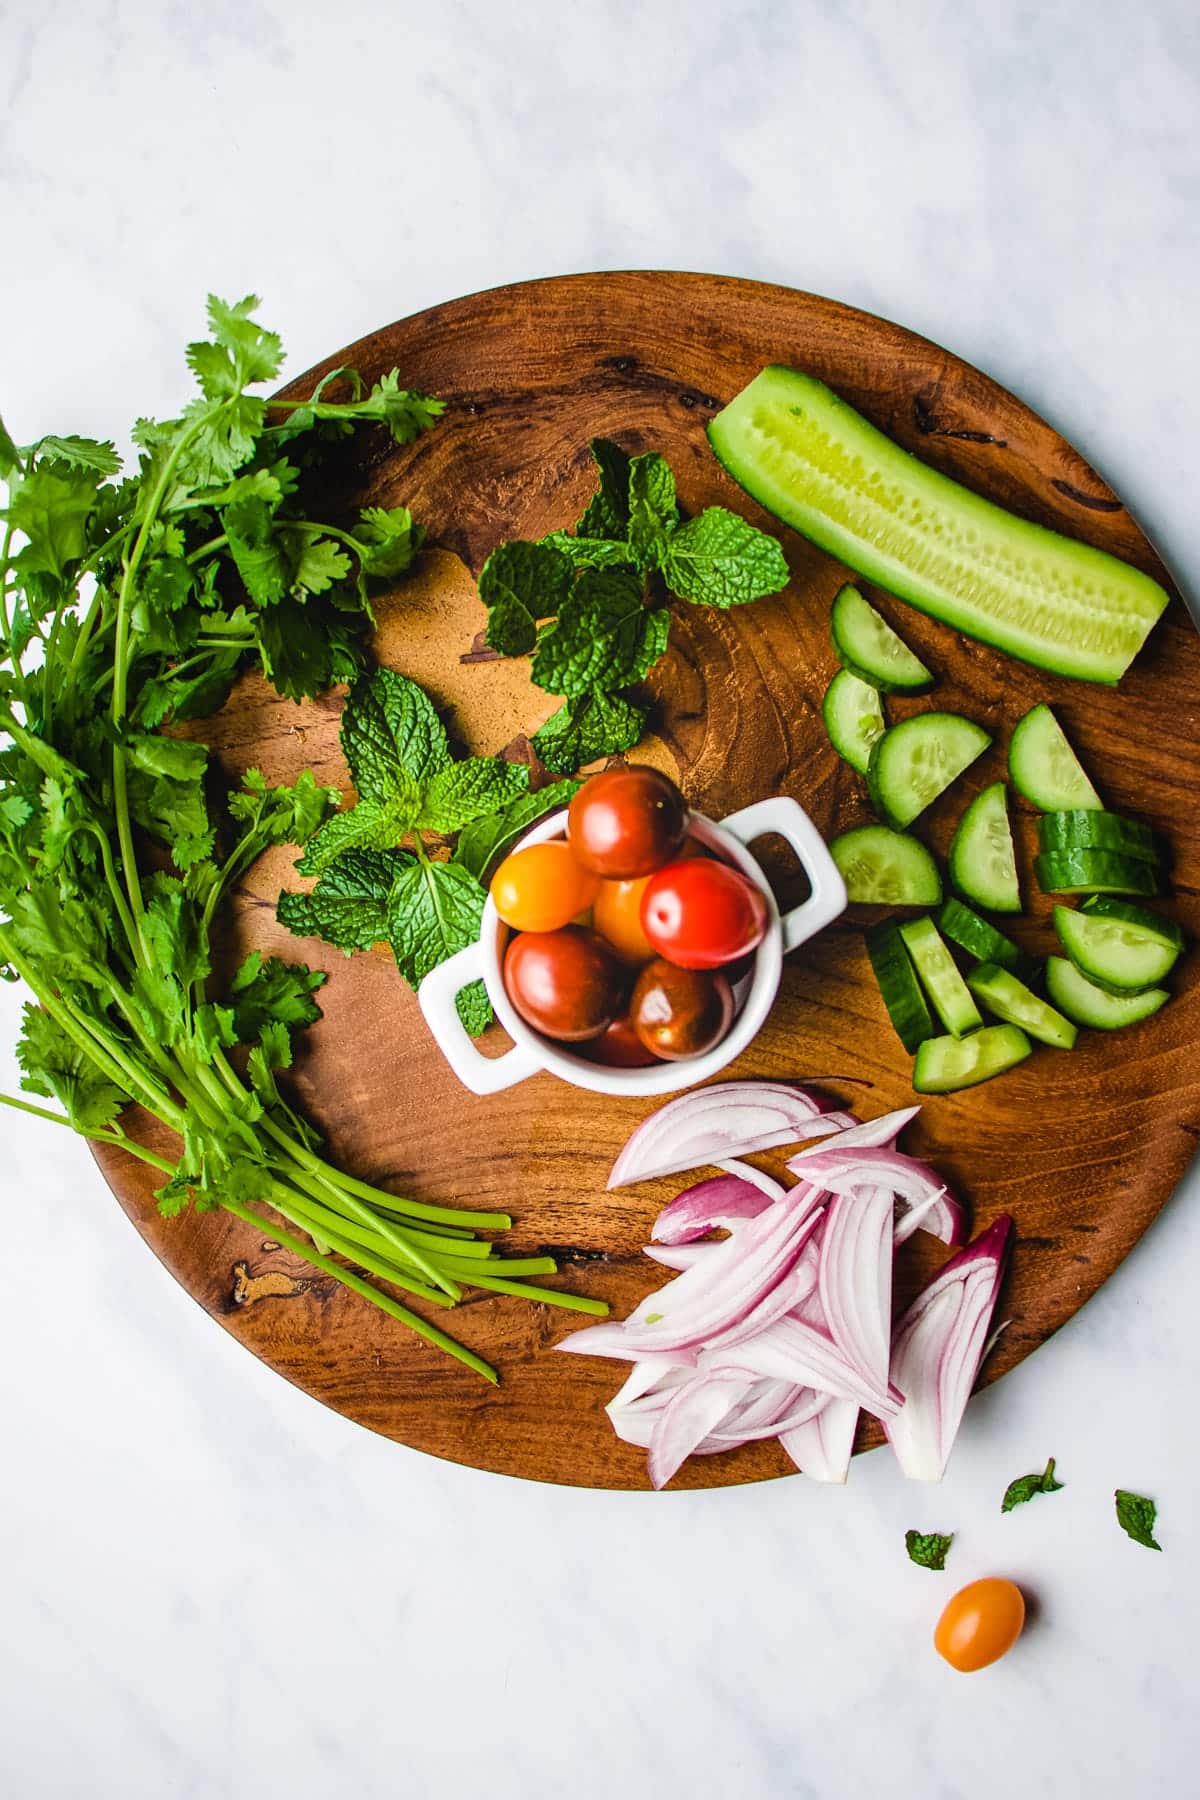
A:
x: 210, y: 1586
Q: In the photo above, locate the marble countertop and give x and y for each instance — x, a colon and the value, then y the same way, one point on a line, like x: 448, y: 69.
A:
x: 209, y: 1586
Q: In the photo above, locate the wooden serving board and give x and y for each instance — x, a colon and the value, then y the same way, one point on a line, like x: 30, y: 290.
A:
x: 1082, y: 1148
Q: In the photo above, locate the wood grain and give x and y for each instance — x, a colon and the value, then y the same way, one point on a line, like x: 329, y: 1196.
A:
x: 1083, y: 1149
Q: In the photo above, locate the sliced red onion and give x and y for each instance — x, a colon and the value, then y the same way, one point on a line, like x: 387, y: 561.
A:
x: 936, y: 1351
x: 793, y: 1350
x: 842, y: 1171
x: 880, y: 1132
x: 724, y: 1202
x: 679, y: 1256
x: 774, y: 1190
x: 692, y: 1412
x: 855, y: 1282
x: 730, y: 1118
x: 822, y: 1447
x: 738, y: 1428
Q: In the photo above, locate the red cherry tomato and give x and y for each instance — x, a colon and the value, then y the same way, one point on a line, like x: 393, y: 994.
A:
x: 567, y: 984
x: 700, y: 913
x: 620, y: 1047
x: 980, y: 1625
x: 627, y: 822
x: 680, y: 1012
x: 542, y: 887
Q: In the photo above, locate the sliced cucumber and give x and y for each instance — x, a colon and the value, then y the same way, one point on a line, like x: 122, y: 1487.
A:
x: 1093, y: 872
x: 940, y: 977
x: 898, y: 984
x: 981, y: 940
x: 814, y: 462
x: 1153, y: 924
x: 881, y: 867
x: 946, y: 1063
x: 1087, y: 1004
x: 1090, y: 829
x: 1010, y: 1000
x: 1119, y: 957
x: 915, y: 761
x: 853, y: 715
x: 1044, y: 767
x: 868, y: 647
x: 982, y: 861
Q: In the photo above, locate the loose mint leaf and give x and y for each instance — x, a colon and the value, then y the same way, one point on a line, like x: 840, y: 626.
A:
x: 256, y: 550
x: 51, y: 506
x: 585, y: 729
x: 351, y: 905
x: 592, y: 552
x: 1136, y: 1516
x: 468, y: 790
x: 370, y: 825
x: 436, y: 909
x: 52, y: 1064
x: 520, y: 583
x: 720, y: 560
x: 1026, y: 1486
x: 81, y: 453
x: 653, y: 512
x: 391, y: 736
x: 604, y: 637
x: 270, y: 992
x: 928, y: 1549
x: 607, y: 512
x: 486, y: 840
x: 511, y: 629
x: 388, y: 540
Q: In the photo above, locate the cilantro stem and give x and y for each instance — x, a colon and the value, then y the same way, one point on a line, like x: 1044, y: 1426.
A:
x: 377, y: 1230
x: 361, y: 1248
x: 13, y: 658
x: 38, y: 1112
x: 216, y: 543
x: 547, y: 1296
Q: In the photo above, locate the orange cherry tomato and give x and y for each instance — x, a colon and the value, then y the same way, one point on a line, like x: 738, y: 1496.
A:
x: 617, y: 913
x: 981, y: 1624
x: 542, y: 887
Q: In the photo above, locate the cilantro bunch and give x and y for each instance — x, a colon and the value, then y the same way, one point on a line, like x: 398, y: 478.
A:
x: 125, y: 604
x: 589, y: 604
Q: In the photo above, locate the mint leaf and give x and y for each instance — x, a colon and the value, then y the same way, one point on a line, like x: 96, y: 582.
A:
x: 591, y: 552
x: 520, y: 583
x: 391, y: 736
x: 653, y: 512
x: 585, y: 729
x: 436, y: 908
x: 468, y: 790
x: 604, y: 637
x: 1136, y: 1516
x: 1026, y: 1486
x: 486, y: 840
x: 607, y: 512
x: 270, y: 992
x: 52, y: 1064
x: 720, y: 560
x: 370, y: 825
x: 351, y: 903
x: 928, y: 1549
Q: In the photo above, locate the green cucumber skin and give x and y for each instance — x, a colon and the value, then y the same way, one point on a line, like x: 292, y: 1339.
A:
x: 850, y: 653
x: 982, y: 941
x: 1087, y: 828
x: 1153, y: 924
x: 1010, y: 1000
x: 1085, y: 1003
x: 1103, y: 968
x: 841, y: 698
x: 888, y: 747
x: 943, y: 1064
x: 965, y: 858
x: 783, y: 401
x: 917, y: 879
x: 1094, y: 872
x: 898, y: 986
x: 939, y: 976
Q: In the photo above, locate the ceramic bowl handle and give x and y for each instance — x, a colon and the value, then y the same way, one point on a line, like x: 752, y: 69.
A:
x: 437, y: 995
x: 789, y: 819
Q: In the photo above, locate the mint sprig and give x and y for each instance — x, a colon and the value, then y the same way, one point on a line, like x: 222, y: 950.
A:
x: 928, y: 1549
x: 1136, y: 1516
x: 1024, y: 1488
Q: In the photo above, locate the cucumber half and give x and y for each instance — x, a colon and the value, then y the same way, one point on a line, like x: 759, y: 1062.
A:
x: 853, y: 715
x: 1044, y: 767
x: 915, y: 761
x: 940, y: 977
x: 946, y: 1063
x: 1120, y: 957
x: 898, y: 984
x: 881, y: 867
x: 982, y: 861
x: 1009, y: 999
x: 981, y: 940
x: 814, y: 462
x: 1153, y: 924
x: 867, y: 646
x: 1094, y: 872
x: 1087, y: 1004
x: 1090, y: 828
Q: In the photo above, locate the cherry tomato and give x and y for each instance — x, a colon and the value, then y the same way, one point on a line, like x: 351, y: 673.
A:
x: 981, y: 1624
x: 620, y: 1047
x: 617, y: 911
x: 700, y: 913
x: 542, y: 887
x: 680, y: 1012
x: 627, y: 822
x: 567, y: 984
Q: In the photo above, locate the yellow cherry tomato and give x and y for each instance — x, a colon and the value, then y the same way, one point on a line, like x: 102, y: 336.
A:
x: 981, y: 1624
x: 542, y: 887
x: 617, y: 915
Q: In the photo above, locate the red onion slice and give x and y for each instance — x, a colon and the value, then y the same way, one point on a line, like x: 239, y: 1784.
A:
x: 792, y: 1350
x: 802, y: 1405
x: 679, y: 1256
x: 843, y: 1171
x: 730, y: 1118
x: 774, y: 1190
x: 881, y: 1132
x: 855, y: 1282
x: 687, y: 1419
x: 723, y: 1202
x: 936, y: 1351
x: 822, y: 1447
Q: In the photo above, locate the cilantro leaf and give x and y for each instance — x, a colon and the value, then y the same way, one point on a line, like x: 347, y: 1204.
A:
x: 282, y: 815
x: 1023, y: 1489
x: 10, y: 456
x: 1136, y: 1516
x: 485, y: 840
x: 928, y: 1549
x: 52, y: 506
x: 405, y: 411
x: 249, y: 525
x: 319, y: 564
x: 720, y: 560
x: 392, y: 738
x: 587, y: 728
x: 436, y: 909
x: 81, y: 453
x: 388, y: 540
x: 306, y: 648
x: 468, y: 790
x: 271, y: 992
x: 351, y: 903
x: 604, y: 637
x: 166, y: 795
x: 653, y: 512
x: 52, y: 1064
x: 607, y: 512
x: 520, y: 583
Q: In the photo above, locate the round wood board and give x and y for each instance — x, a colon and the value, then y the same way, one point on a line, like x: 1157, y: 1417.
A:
x: 1082, y: 1148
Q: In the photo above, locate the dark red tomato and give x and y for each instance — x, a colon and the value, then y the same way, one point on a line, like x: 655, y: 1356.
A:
x: 680, y: 1012
x: 701, y: 913
x: 620, y: 1047
x: 627, y: 822
x: 567, y: 984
